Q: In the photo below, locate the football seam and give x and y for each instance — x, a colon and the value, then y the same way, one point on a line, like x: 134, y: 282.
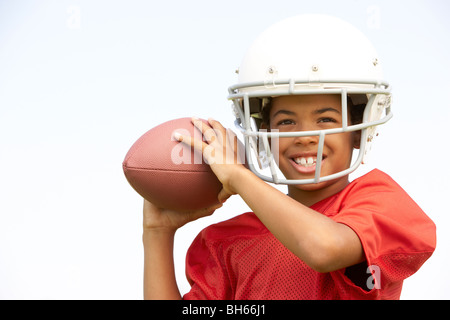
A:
x: 161, y: 169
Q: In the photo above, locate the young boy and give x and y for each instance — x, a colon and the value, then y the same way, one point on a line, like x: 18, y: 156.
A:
x: 328, y: 238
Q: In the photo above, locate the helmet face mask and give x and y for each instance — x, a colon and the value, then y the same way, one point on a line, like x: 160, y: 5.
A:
x: 300, y: 67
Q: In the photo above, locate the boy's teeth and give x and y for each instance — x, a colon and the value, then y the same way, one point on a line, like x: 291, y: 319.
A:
x: 306, y: 162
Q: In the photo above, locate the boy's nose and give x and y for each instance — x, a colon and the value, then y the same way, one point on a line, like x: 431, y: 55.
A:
x: 306, y: 140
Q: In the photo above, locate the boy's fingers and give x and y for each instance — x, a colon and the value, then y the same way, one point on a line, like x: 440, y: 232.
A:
x: 223, y: 196
x: 206, y: 149
x: 187, y: 140
x: 205, y: 212
x: 204, y: 128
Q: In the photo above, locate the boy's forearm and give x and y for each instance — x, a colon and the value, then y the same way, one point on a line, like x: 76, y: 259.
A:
x: 311, y: 236
x: 159, y: 270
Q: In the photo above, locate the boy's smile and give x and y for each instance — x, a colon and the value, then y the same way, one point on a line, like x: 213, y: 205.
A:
x: 298, y: 155
x: 306, y: 162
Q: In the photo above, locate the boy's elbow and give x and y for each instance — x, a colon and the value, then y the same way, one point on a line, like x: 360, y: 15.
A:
x: 321, y: 265
x: 326, y: 258
x: 323, y: 268
x: 334, y: 253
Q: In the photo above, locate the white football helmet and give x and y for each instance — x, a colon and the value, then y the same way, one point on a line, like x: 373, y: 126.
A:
x: 304, y: 55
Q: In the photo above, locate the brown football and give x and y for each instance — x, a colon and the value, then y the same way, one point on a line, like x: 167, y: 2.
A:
x: 168, y: 173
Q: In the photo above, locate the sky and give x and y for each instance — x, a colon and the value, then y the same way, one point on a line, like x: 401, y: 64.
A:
x: 81, y: 80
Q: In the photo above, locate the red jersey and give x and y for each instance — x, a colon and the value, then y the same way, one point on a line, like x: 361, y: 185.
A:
x: 241, y: 259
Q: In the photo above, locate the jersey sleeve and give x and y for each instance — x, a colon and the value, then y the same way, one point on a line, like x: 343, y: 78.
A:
x: 204, y: 270
x: 396, y: 235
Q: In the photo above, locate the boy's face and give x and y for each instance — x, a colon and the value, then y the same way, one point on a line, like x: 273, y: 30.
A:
x: 297, y: 155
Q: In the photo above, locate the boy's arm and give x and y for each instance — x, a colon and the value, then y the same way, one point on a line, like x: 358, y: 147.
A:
x: 158, y: 238
x: 320, y: 242
x: 159, y: 270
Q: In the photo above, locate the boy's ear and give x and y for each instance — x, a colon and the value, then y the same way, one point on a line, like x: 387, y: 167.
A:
x: 357, y: 139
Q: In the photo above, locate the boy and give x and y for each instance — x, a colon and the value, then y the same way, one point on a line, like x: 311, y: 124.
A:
x: 328, y: 238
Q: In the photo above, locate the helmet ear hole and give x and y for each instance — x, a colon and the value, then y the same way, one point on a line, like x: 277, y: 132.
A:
x: 357, y: 113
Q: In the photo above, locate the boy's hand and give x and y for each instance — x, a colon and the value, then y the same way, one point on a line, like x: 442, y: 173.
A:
x: 158, y: 219
x: 221, y: 150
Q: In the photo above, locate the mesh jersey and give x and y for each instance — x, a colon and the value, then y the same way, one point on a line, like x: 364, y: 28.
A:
x: 241, y: 259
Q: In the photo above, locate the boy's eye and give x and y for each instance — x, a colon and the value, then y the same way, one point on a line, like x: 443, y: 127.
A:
x: 285, y: 122
x: 325, y: 120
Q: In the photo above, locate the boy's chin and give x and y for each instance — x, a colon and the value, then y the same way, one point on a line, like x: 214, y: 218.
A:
x: 310, y: 187
x: 317, y: 186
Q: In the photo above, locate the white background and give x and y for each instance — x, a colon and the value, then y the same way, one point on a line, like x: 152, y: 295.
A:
x: 81, y: 80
